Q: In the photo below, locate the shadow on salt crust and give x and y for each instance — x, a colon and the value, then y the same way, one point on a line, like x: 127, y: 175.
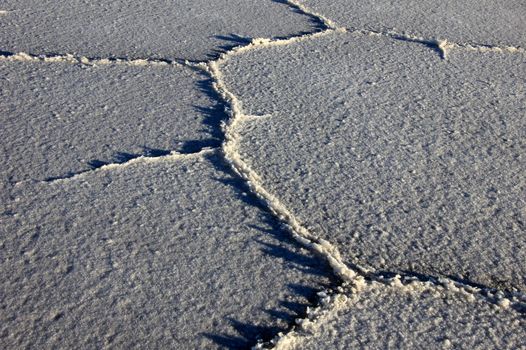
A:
x: 154, y: 253
x: 60, y: 119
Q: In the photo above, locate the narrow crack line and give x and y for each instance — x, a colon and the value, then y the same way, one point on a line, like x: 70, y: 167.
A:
x: 441, y: 45
x: 83, y: 60
x: 438, y: 45
x: 142, y: 159
x: 328, y: 23
x: 483, y: 48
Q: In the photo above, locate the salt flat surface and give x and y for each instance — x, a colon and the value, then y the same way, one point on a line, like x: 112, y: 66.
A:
x: 149, y: 254
x: 405, y: 161
x: 416, y: 316
x: 183, y: 29
x: 150, y: 201
x: 482, y: 22
x: 61, y: 118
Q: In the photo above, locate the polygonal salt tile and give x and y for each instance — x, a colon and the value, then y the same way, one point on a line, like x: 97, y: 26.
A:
x: 405, y: 161
x: 61, y: 118
x: 155, y: 253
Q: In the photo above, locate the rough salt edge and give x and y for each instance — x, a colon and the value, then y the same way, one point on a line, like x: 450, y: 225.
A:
x: 328, y: 304
x: 331, y: 302
x: 442, y: 45
x: 230, y: 151
x: 141, y: 160
x: 72, y: 59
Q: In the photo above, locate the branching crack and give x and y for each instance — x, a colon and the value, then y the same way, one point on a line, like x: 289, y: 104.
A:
x: 351, y: 276
x: 230, y: 150
x: 443, y: 47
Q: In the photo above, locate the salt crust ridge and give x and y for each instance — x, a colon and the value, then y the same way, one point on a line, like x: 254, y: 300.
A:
x: 442, y: 45
x: 331, y: 302
x: 141, y: 160
x: 69, y: 58
x: 353, y: 279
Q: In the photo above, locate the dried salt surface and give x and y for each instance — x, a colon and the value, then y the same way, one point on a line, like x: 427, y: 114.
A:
x: 60, y: 118
x: 484, y: 22
x: 415, y: 316
x: 404, y: 161
x: 156, y: 253
x: 183, y: 29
